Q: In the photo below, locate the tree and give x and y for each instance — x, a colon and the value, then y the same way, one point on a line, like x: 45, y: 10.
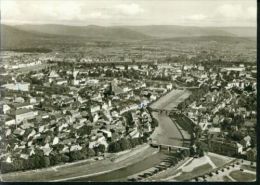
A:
x: 86, y: 129
x: 186, y: 153
x: 64, y: 158
x: 114, y: 147
x: 154, y: 123
x: 18, y: 165
x: 91, y: 152
x: 101, y: 148
x: 7, y: 167
x: 124, y: 144
x: 135, y: 142
x: 237, y: 136
x: 46, y: 161
x: 200, y: 152
x: 140, y: 140
x: 192, y: 151
x: 129, y: 118
x: 201, y: 148
x: 37, y: 161
x: 197, y: 131
x: 76, y: 155
x: 55, y: 159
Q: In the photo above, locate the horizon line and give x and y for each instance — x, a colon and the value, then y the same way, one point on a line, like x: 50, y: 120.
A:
x: 60, y: 24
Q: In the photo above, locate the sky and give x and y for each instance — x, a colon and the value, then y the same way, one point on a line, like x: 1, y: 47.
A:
x: 130, y: 12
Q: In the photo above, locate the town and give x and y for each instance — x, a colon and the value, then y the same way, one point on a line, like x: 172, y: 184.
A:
x: 61, y: 111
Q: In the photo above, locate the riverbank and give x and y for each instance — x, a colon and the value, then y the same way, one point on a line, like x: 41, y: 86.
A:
x: 89, y: 167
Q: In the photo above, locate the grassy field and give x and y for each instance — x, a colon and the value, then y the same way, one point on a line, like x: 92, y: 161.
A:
x: 188, y: 163
x: 247, y: 167
x: 242, y: 176
x: 226, y: 179
x: 195, y: 172
x: 218, y: 160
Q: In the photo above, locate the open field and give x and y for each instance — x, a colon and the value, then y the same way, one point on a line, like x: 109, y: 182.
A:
x: 171, y: 171
x: 232, y: 172
x: 219, y: 160
x: 248, y: 167
x: 226, y: 179
x: 200, y: 170
x: 242, y: 176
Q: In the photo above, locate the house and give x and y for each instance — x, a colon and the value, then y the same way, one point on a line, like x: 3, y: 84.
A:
x: 61, y: 81
x: 19, y: 100
x: 55, y: 141
x: 98, y: 140
x: 95, y: 108
x: 25, y: 105
x: 24, y: 114
x: 214, y: 130
x: 8, y: 132
x: 31, y: 134
x: 75, y: 148
x: 201, y: 68
x: 17, y: 86
x: 6, y: 108
x: 246, y: 142
x: 24, y: 156
x: 53, y: 74
x: 9, y: 121
x: 65, y: 149
x: 33, y: 100
x: 107, y: 133
x: 134, y: 133
x: 8, y: 159
x: 46, y: 149
x: 19, y: 131
x: 153, y: 97
x: 169, y: 86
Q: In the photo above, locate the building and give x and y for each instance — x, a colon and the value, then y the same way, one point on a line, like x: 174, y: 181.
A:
x: 24, y: 114
x: 224, y: 147
x: 17, y: 86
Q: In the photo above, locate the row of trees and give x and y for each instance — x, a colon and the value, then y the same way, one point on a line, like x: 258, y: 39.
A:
x: 40, y: 161
x: 31, y: 50
x: 125, y: 143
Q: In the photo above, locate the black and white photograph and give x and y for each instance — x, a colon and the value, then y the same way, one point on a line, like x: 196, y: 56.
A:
x: 128, y: 91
